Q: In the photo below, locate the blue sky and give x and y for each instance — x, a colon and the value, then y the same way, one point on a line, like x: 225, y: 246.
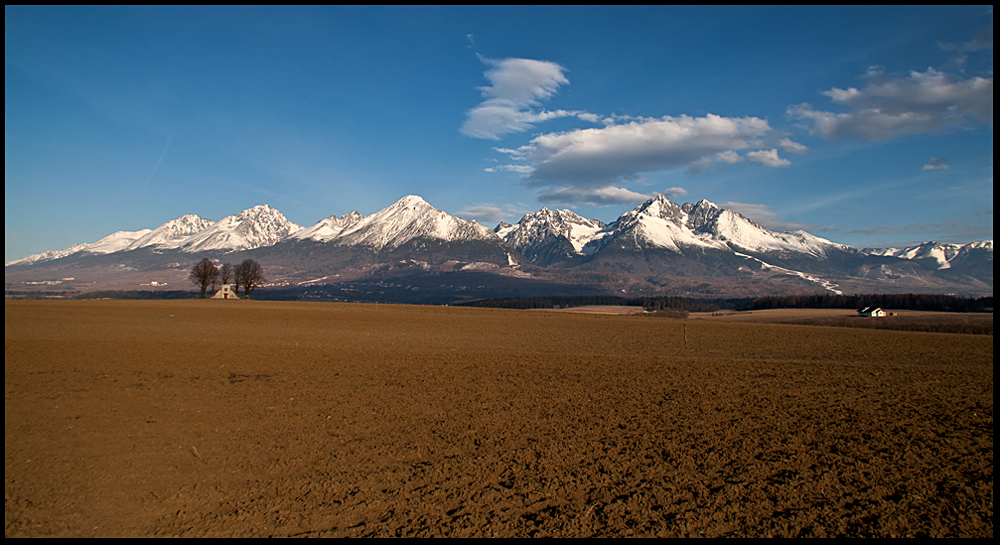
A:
x: 867, y: 126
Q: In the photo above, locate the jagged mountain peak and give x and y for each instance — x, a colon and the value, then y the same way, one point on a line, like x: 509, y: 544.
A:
x: 173, y: 233
x: 660, y: 223
x: 409, y: 218
x: 700, y: 213
x: 254, y: 227
x: 551, y: 235
x: 563, y: 215
x: 658, y: 207
x: 329, y: 228
x: 413, y: 202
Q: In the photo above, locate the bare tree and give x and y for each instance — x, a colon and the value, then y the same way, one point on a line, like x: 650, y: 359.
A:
x: 250, y: 274
x: 226, y: 273
x: 204, y: 274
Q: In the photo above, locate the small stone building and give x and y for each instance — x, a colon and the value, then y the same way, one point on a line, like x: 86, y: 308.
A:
x: 227, y: 292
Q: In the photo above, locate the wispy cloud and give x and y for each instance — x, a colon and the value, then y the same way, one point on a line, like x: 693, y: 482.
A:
x: 936, y: 163
x: 157, y: 165
x: 520, y: 169
x: 512, y: 100
x: 889, y: 107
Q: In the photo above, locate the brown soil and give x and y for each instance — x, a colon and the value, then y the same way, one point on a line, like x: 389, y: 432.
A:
x: 216, y: 418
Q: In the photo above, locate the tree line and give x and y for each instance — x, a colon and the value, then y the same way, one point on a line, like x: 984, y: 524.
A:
x: 895, y: 301
x: 248, y: 274
x: 651, y: 304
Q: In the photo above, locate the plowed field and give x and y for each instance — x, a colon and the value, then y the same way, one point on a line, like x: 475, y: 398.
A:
x: 221, y: 418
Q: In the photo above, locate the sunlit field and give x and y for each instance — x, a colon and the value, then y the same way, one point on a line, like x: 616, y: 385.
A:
x: 236, y: 418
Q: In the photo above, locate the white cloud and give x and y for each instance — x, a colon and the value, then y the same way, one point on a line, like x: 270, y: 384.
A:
x: 520, y: 169
x: 605, y: 155
x: 590, y: 196
x: 936, y: 163
x: 792, y: 147
x: 489, y: 214
x: 768, y: 158
x: 517, y: 87
x: 675, y: 192
x: 888, y: 107
x: 590, y: 165
x: 729, y: 156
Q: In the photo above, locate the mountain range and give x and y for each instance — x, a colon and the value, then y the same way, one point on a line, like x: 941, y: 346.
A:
x: 657, y: 248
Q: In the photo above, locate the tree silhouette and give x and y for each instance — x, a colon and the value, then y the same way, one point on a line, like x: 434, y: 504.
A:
x: 204, y: 274
x: 250, y: 274
x: 226, y: 272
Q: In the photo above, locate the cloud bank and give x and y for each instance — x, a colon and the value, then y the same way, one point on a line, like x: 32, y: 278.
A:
x: 491, y: 214
x: 617, y: 153
x: 591, y: 166
x: 591, y: 196
x: 889, y: 107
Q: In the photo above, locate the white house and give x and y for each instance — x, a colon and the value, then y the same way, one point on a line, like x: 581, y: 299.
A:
x: 871, y: 312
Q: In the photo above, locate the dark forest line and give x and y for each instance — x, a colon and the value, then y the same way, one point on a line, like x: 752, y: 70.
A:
x: 908, y: 301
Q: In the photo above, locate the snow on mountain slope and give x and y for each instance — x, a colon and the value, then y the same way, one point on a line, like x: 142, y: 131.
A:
x: 544, y: 224
x: 252, y: 228
x: 504, y: 229
x: 329, y: 228
x: 940, y: 253
x: 738, y: 231
x: 408, y: 218
x: 174, y: 233
x: 661, y: 223
x: 116, y: 242
x: 45, y: 256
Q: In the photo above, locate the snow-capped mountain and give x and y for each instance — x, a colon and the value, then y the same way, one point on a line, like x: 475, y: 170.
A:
x: 548, y: 236
x: 659, y: 223
x: 407, y: 219
x: 174, y: 233
x: 115, y: 242
x: 49, y: 255
x: 658, y: 245
x: 941, y: 254
x: 252, y: 228
x: 330, y: 228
